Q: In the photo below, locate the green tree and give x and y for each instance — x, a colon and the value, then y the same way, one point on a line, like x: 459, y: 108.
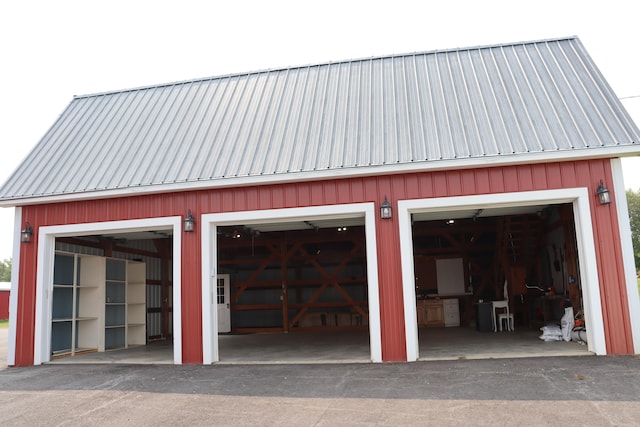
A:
x: 633, y: 200
x: 5, y: 270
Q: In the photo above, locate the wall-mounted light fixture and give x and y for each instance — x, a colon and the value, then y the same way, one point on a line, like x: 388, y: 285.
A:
x: 603, y: 194
x: 25, y: 234
x: 386, y: 211
x: 189, y: 222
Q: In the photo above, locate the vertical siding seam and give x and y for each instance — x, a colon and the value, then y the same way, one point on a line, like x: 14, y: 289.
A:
x: 420, y: 138
x: 522, y: 99
x: 221, y: 88
x: 286, y: 152
x: 346, y: 142
x: 457, y: 101
x: 334, y: 121
x: 228, y: 156
x: 312, y: 102
x: 231, y: 86
x: 510, y: 103
x: 474, y: 123
x: 486, y: 117
x: 73, y: 177
x: 323, y: 114
x: 410, y: 144
x: 270, y: 147
x: 243, y: 125
x: 547, y: 96
x: 297, y: 146
x: 605, y: 123
x: 562, y: 73
x: 496, y: 103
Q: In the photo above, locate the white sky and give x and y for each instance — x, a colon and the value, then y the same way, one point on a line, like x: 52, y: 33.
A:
x: 52, y: 50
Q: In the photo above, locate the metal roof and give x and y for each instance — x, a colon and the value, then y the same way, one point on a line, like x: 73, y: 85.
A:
x: 419, y: 111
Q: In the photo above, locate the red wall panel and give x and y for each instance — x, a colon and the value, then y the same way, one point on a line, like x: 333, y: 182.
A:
x: 352, y: 190
x: 4, y: 305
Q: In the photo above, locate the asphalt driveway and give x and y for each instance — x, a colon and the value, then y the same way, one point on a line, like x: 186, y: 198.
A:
x: 563, y: 391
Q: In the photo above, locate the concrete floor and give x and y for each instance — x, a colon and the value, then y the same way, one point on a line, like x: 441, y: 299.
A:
x: 348, y: 347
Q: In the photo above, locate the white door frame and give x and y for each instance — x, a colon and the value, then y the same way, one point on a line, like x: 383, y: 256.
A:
x: 210, y: 222
x: 44, y: 274
x: 579, y: 197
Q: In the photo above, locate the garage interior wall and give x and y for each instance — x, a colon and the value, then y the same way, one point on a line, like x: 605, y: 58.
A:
x: 586, y: 173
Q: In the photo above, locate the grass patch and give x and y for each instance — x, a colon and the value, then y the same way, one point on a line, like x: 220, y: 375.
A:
x: 4, y: 324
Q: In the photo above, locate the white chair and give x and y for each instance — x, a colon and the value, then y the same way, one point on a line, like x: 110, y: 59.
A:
x: 499, y: 318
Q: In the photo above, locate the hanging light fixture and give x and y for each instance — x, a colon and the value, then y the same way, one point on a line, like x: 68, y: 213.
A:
x: 25, y: 234
x: 386, y: 212
x: 189, y: 222
x: 603, y: 194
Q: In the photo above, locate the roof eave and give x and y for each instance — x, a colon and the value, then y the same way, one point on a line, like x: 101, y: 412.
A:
x: 353, y: 172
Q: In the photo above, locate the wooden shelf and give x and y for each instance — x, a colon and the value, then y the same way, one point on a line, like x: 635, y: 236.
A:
x: 83, y: 320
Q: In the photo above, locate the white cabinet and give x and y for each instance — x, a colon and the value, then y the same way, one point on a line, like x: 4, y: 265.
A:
x: 97, y: 304
x: 451, y: 312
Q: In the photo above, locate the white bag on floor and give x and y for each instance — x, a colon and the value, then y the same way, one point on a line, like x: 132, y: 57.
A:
x: 551, y: 333
x: 567, y: 323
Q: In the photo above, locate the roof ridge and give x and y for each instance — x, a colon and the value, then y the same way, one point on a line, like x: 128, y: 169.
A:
x: 320, y: 64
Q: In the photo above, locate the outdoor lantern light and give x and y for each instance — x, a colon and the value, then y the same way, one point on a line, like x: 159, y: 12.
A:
x: 603, y: 194
x: 188, y: 222
x: 25, y: 234
x: 385, y: 209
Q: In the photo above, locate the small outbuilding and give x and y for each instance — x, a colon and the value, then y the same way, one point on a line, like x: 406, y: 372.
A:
x: 5, y: 290
x: 387, y: 199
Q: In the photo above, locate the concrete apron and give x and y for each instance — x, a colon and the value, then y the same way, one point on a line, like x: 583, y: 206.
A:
x: 347, y: 347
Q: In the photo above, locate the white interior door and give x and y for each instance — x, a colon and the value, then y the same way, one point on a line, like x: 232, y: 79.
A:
x: 223, y: 300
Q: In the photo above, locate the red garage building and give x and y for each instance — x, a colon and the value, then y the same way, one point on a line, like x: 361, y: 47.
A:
x: 385, y: 195
x: 5, y: 290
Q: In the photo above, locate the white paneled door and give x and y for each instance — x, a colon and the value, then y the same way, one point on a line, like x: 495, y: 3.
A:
x: 223, y: 300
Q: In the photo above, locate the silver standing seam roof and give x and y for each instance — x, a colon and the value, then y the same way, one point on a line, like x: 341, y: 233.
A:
x: 509, y: 103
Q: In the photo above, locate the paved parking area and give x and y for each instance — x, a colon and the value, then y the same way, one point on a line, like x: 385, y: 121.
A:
x: 4, y: 337
x: 563, y: 391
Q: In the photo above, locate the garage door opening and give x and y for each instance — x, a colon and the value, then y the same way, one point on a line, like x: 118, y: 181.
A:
x: 295, y: 287
x: 112, y: 298
x: 521, y: 264
x: 308, y: 279
x: 112, y: 293
x: 471, y: 263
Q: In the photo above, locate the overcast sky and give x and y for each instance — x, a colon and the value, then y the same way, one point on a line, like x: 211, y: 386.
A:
x: 52, y: 50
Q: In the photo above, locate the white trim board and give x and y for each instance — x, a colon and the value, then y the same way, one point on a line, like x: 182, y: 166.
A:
x: 44, y: 274
x: 579, y: 197
x: 210, y: 222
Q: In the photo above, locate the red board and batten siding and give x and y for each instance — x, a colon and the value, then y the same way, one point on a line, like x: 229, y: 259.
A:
x: 4, y: 305
x: 352, y: 190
